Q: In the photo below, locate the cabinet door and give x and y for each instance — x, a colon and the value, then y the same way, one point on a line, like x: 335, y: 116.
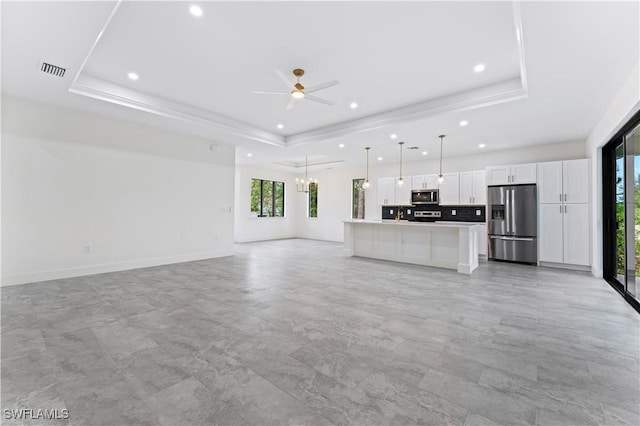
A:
x: 386, y: 191
x: 403, y: 194
x: 550, y: 232
x: 479, y: 187
x: 466, y: 188
x: 417, y: 182
x: 482, y: 240
x: 498, y: 175
x: 576, y: 234
x: 523, y: 173
x: 450, y: 189
x: 550, y: 182
x: 575, y: 181
x: 431, y: 182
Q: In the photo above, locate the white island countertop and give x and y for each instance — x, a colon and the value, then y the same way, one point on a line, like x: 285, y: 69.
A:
x: 452, y: 245
x: 439, y: 224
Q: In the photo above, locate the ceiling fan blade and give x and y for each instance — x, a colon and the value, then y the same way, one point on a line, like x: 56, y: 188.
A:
x: 284, y: 78
x: 321, y: 86
x: 317, y: 99
x: 270, y: 93
x: 291, y: 103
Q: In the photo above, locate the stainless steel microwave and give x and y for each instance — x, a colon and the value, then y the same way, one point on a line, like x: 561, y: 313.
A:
x: 424, y: 196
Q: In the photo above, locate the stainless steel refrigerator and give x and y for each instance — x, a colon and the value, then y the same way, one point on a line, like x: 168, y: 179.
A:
x: 513, y: 223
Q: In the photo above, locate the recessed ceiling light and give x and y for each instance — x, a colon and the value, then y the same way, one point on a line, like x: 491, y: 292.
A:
x: 341, y: 145
x: 195, y: 10
x: 379, y: 158
x: 424, y: 152
x: 353, y: 105
x: 464, y: 123
x: 481, y: 145
x: 133, y: 76
x: 479, y: 68
x: 249, y: 154
x: 393, y: 136
x: 280, y: 126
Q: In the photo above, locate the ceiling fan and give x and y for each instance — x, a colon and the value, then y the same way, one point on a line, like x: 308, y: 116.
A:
x: 299, y: 92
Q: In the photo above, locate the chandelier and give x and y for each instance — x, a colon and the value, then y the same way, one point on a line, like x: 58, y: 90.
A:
x: 302, y: 185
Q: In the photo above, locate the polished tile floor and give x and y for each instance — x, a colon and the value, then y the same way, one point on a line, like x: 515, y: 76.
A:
x: 291, y: 332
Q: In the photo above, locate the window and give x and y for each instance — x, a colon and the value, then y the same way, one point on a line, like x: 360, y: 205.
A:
x: 267, y: 198
x: 313, y: 200
x: 621, y: 211
x: 357, y: 195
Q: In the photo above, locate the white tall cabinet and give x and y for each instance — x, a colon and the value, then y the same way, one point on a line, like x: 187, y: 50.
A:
x: 473, y: 187
x: 563, y: 194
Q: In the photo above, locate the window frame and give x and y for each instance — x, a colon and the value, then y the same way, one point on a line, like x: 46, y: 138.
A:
x: 274, y: 202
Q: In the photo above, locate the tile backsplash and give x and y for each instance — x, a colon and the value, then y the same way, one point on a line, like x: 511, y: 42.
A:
x: 449, y: 213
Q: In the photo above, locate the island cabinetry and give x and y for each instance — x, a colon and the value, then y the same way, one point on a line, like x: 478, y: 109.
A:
x: 452, y: 246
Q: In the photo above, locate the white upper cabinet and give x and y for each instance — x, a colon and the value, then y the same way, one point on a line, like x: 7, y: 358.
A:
x: 473, y: 187
x: 575, y: 181
x: 403, y: 193
x: 523, y: 173
x: 424, y: 182
x: 392, y: 194
x: 450, y: 189
x: 498, y: 175
x: 511, y: 174
x: 564, y: 182
x: 386, y: 191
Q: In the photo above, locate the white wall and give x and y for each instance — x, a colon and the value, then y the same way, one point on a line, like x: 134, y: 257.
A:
x: 250, y: 228
x: 334, y: 188
x: 620, y: 110
x: 137, y: 196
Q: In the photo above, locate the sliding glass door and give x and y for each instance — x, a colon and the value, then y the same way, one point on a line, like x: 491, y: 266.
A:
x: 621, y: 203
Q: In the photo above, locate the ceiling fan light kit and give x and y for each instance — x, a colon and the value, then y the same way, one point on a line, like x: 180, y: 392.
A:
x: 300, y: 92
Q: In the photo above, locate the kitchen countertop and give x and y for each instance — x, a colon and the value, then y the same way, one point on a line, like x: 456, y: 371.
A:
x: 392, y: 222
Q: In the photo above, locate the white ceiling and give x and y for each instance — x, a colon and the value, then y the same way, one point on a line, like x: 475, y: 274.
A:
x: 408, y: 65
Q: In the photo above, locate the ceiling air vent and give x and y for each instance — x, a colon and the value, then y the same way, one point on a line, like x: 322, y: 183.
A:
x: 52, y: 69
x: 413, y: 147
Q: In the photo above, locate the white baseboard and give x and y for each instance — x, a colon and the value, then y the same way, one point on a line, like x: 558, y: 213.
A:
x: 264, y: 238
x: 566, y: 266
x: 107, y: 267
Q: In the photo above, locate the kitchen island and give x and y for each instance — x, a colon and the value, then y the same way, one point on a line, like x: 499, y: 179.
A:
x: 445, y: 245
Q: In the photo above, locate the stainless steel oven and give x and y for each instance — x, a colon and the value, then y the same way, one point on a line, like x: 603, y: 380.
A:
x: 424, y: 196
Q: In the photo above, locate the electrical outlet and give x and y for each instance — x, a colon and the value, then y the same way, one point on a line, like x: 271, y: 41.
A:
x: 86, y: 248
x: 478, y: 212
x: 453, y: 212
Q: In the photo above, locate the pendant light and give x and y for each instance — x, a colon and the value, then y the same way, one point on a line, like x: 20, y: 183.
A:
x: 366, y: 183
x: 400, y: 180
x: 302, y: 185
x: 441, y: 176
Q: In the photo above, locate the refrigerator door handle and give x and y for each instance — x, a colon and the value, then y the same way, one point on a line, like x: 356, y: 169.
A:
x: 507, y: 210
x: 495, y: 237
x: 512, y: 214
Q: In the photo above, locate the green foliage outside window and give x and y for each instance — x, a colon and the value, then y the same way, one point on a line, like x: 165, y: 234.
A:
x: 313, y: 200
x: 267, y: 198
x: 357, y: 210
